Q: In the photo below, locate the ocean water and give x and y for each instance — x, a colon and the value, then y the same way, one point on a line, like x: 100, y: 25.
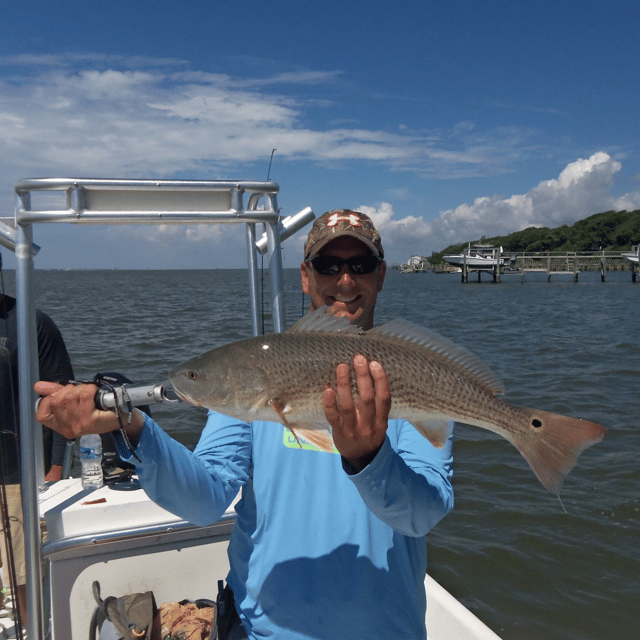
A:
x: 527, y: 564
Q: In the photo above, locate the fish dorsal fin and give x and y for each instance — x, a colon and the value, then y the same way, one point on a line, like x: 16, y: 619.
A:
x: 323, y: 320
x: 407, y: 331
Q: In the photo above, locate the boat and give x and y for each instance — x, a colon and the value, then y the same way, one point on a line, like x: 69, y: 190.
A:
x: 482, y: 257
x: 159, y: 552
x: 634, y: 256
x: 115, y: 534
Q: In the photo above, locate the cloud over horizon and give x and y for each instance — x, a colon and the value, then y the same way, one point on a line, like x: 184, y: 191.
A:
x: 125, y: 117
x: 582, y: 189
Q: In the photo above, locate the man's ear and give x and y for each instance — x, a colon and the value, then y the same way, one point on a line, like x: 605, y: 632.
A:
x: 304, y: 276
x: 382, y: 272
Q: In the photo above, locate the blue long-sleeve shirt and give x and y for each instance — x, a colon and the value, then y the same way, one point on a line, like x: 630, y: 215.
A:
x: 315, y: 552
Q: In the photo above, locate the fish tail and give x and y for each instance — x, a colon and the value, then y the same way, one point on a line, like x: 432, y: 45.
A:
x: 555, y: 443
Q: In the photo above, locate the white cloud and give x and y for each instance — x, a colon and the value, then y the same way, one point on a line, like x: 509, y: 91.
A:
x: 99, y: 115
x: 582, y: 189
x: 140, y: 123
x: 401, y: 238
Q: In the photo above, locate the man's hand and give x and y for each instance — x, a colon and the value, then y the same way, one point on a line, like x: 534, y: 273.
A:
x: 359, y: 429
x: 72, y: 412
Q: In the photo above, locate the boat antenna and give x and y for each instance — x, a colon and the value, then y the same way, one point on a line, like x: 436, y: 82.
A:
x: 270, y: 161
x: 262, y: 258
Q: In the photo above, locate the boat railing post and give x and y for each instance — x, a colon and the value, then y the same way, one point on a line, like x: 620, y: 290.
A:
x: 31, y: 472
x: 254, y: 287
x: 275, y: 276
x: 465, y: 265
x: 275, y: 269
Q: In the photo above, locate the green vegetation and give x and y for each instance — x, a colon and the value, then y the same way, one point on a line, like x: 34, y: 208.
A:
x: 608, y: 231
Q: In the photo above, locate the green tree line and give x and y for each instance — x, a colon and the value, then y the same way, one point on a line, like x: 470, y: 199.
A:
x: 608, y: 231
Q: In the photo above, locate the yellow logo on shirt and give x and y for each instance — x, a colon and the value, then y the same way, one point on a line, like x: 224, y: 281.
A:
x: 290, y: 442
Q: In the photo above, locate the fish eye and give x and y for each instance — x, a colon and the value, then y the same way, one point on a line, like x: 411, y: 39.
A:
x: 192, y: 375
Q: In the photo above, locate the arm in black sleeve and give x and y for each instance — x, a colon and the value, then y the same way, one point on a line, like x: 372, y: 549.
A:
x: 54, y: 366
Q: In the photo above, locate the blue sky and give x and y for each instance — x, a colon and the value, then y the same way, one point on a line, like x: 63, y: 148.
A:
x: 444, y: 121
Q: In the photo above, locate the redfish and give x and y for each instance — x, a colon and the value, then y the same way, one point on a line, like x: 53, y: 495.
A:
x: 281, y: 377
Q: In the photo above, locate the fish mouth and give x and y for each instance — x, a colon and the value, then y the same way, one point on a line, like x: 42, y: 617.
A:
x: 186, y: 397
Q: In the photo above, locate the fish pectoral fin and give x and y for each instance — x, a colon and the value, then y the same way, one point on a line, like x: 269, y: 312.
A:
x: 435, y: 430
x: 280, y: 409
x: 320, y: 438
x: 317, y: 435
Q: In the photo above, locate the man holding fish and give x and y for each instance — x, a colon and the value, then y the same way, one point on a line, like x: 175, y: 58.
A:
x: 339, y: 435
x: 329, y: 543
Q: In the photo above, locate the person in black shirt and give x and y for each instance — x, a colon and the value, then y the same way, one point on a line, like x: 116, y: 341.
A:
x: 54, y: 365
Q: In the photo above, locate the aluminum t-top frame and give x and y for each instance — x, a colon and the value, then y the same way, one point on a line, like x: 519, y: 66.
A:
x: 98, y: 201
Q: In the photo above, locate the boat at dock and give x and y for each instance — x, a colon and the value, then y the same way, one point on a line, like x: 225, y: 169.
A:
x: 116, y: 534
x: 477, y: 257
x: 634, y: 256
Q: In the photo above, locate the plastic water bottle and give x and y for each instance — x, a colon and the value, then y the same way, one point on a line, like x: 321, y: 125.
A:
x: 91, y: 459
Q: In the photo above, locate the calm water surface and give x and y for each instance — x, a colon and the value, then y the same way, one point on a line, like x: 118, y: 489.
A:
x: 509, y: 551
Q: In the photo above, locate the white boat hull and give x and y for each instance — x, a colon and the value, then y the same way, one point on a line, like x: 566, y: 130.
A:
x: 130, y: 544
x: 473, y: 262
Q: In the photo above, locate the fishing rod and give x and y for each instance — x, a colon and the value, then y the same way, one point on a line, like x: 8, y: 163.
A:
x: 124, y: 395
x: 135, y: 396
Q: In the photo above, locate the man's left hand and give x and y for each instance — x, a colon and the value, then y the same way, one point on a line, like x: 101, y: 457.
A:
x: 359, y: 428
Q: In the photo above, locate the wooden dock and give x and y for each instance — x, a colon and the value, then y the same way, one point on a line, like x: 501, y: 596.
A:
x: 559, y: 263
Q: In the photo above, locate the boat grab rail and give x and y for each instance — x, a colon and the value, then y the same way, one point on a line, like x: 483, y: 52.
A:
x: 95, y: 543
x: 8, y: 236
x: 106, y: 201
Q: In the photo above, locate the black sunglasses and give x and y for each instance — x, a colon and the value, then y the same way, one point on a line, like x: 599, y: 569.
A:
x: 331, y: 265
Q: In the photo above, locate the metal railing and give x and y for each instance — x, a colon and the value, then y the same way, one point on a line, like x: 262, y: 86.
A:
x: 107, y: 201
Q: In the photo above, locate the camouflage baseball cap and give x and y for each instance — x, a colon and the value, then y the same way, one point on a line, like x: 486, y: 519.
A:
x: 343, y: 222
